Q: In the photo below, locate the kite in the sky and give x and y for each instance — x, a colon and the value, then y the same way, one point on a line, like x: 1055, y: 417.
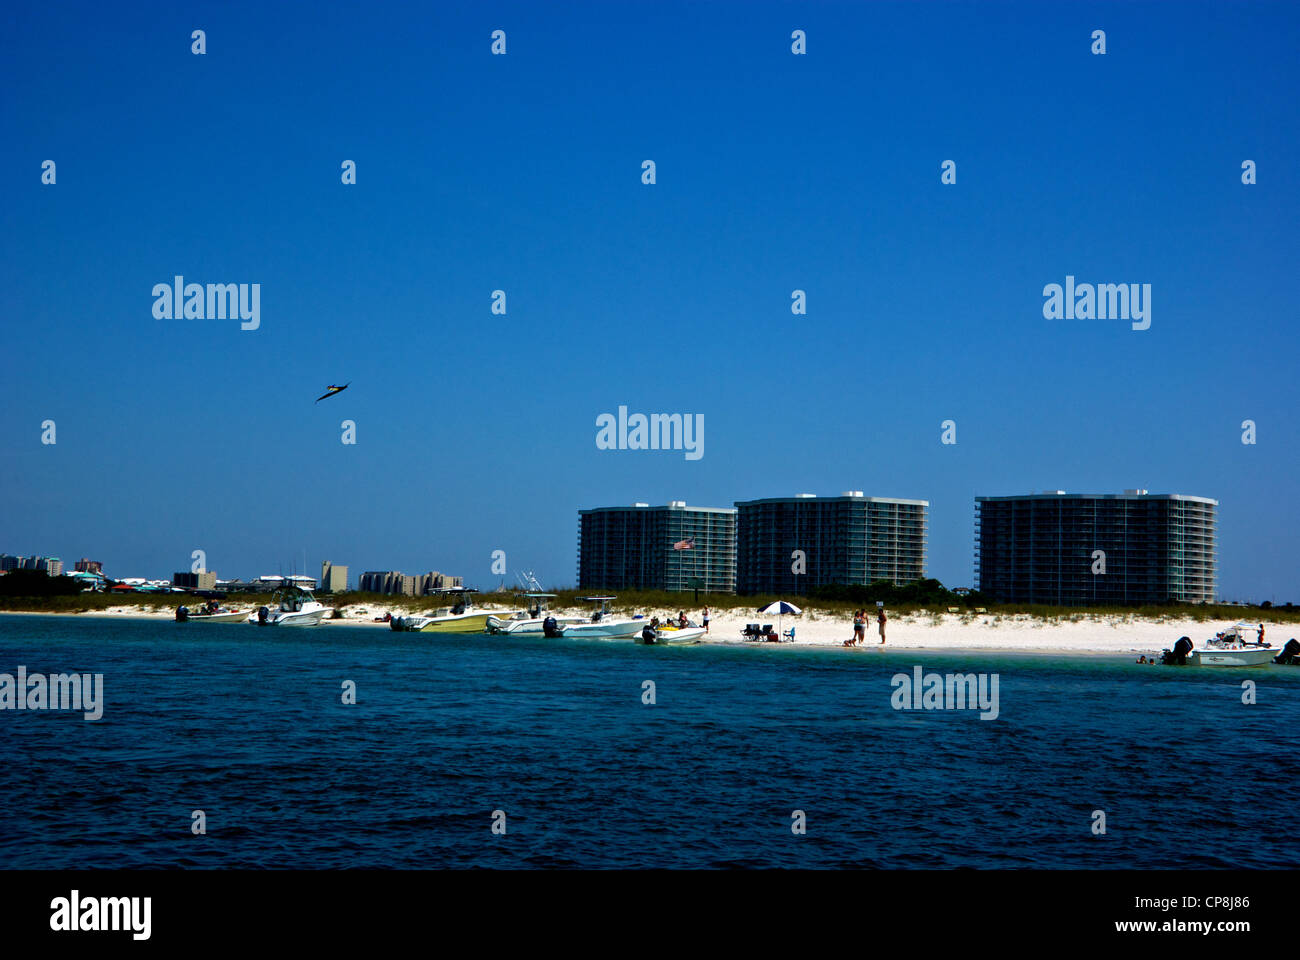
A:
x: 331, y: 390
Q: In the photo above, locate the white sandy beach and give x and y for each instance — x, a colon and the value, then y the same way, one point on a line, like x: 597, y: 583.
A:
x: 1083, y: 633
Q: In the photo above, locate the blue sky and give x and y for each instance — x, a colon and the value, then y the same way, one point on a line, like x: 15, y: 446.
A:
x: 522, y: 172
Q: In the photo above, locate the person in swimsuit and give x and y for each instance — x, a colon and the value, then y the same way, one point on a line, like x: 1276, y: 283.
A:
x: 859, y: 628
x: 880, y: 619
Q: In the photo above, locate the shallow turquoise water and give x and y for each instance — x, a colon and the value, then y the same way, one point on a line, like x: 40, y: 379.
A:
x: 247, y: 724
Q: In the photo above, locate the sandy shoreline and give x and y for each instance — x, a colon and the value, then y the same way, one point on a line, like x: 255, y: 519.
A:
x: 1111, y: 634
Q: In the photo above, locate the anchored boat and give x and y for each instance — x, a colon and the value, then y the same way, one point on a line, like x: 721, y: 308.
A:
x: 211, y: 612
x: 602, y: 625
x: 1233, y: 647
x: 459, y: 617
x: 295, y: 607
x: 532, y: 619
x: 670, y: 633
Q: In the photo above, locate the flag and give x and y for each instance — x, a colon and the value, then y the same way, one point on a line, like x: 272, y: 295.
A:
x: 687, y: 544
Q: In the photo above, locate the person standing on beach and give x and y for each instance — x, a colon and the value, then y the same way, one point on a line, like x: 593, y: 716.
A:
x: 1261, y: 634
x: 706, y: 619
x: 880, y: 619
x: 859, y: 628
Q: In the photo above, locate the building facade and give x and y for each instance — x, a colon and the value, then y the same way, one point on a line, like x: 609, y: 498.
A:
x: 1106, y: 549
x: 88, y: 566
x: 396, y: 582
x: 851, y: 539
x: 333, y: 577
x: 205, y: 580
x: 671, y: 547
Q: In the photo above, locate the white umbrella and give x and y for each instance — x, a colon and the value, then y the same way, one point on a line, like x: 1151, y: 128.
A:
x: 780, y: 608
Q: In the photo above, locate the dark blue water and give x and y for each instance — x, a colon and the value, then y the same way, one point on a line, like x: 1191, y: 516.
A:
x: 247, y: 724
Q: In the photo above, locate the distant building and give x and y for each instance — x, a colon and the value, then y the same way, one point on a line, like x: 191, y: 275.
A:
x: 376, y: 581
x: 88, y: 566
x: 88, y: 580
x: 672, y: 547
x: 333, y: 578
x: 206, y: 580
x: 850, y: 539
x: 50, y: 565
x: 1071, y: 549
x: 434, y: 581
x: 396, y: 582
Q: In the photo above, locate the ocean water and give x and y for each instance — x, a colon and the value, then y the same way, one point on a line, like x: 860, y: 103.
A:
x: 248, y: 725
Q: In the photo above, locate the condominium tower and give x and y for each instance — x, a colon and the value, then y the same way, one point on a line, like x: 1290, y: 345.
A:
x: 791, y: 544
x: 670, y: 547
x: 1070, y: 549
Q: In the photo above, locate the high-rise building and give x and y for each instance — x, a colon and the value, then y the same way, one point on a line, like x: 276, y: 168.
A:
x: 672, y: 547
x: 333, y: 578
x: 9, y: 562
x: 54, y: 566
x: 1120, y: 549
x: 787, y: 545
x: 88, y: 566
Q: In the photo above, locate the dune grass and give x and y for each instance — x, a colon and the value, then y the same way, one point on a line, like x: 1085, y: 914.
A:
x: 662, y: 602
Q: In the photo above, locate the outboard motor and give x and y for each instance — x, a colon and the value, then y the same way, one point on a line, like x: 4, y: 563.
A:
x: 550, y: 628
x: 1290, y: 654
x: 263, y: 614
x: 182, y: 614
x: 648, y: 634
x: 1178, y: 655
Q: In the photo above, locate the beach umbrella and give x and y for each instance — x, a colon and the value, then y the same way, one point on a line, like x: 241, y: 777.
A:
x: 780, y: 608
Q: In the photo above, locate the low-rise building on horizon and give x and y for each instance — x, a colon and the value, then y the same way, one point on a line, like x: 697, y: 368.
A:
x: 396, y: 582
x: 190, y: 580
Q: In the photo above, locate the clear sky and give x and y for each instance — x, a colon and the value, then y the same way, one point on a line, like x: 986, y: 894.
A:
x: 775, y: 172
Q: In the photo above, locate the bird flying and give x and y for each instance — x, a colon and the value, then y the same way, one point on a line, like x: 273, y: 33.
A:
x: 331, y: 390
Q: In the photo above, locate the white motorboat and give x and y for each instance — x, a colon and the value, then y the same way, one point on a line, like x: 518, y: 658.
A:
x: 460, y: 617
x: 532, y: 619
x: 296, y: 607
x: 602, y: 626
x: 1233, y: 647
x: 210, y: 613
x: 671, y: 633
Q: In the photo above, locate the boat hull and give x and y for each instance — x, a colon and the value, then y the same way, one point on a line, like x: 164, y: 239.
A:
x: 605, y: 630
x: 681, y: 635
x: 308, y: 618
x: 512, y: 627
x: 453, y: 623
x: 234, y: 616
x: 1232, y: 658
